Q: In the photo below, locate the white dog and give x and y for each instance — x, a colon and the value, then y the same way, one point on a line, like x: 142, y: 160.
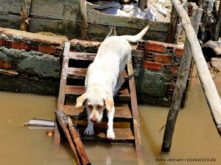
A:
x: 104, y: 79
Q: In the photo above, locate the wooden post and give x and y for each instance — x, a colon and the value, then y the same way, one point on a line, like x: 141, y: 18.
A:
x: 206, y: 80
x: 173, y: 26
x: 24, y: 13
x: 142, y: 4
x: 218, y: 24
x: 181, y: 82
x: 84, y: 25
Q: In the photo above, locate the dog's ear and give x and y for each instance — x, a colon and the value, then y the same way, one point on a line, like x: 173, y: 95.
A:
x: 80, y: 100
x: 109, y: 102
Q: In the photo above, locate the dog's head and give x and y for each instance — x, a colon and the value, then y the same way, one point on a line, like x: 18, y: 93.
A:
x: 95, y: 102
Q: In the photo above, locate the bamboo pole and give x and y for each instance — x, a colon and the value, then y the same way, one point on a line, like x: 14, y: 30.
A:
x: 181, y: 82
x: 206, y: 80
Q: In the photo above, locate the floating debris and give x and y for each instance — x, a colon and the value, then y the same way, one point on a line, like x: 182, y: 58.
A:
x: 40, y: 124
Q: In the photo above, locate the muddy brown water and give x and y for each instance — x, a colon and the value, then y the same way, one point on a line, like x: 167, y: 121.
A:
x: 195, y: 140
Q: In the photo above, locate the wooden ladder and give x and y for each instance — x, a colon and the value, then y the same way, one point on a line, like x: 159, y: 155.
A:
x: 126, y: 121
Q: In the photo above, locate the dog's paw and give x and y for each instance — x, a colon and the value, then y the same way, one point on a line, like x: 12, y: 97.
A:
x: 89, y: 130
x: 110, y: 135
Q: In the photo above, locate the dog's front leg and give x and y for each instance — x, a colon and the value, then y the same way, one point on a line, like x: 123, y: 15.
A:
x: 110, y: 130
x: 90, y: 128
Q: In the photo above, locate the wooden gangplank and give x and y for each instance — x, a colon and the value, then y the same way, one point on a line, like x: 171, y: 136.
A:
x: 126, y: 121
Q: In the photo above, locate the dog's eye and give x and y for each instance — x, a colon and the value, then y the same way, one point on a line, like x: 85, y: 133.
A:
x: 90, y: 107
x: 99, y: 106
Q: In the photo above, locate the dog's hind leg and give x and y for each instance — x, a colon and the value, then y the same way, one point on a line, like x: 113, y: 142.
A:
x: 120, y: 82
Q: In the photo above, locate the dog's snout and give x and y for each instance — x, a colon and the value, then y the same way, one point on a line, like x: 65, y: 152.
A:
x: 93, y: 119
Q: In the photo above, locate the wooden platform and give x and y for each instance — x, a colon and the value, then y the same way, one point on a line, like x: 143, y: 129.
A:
x: 126, y: 121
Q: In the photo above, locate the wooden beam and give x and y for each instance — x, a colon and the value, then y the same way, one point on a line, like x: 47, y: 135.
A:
x: 173, y: 26
x: 181, y: 82
x: 135, y: 113
x: 63, y: 79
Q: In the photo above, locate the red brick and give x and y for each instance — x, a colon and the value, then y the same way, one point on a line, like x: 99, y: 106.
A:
x: 174, y: 69
x: 1, y: 42
x: 46, y: 49
x: 179, y: 52
x: 19, y: 45
x: 152, y: 66
x: 5, y: 65
x: 155, y: 46
x: 163, y: 58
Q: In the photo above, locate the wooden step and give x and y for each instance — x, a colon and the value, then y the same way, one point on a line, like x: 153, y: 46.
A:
x: 79, y: 73
x: 122, y: 113
x: 76, y: 73
x: 83, y: 56
x: 78, y: 90
x: 122, y: 135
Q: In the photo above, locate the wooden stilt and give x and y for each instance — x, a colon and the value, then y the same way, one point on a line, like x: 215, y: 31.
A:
x: 181, y: 82
x: 218, y: 24
x: 84, y: 27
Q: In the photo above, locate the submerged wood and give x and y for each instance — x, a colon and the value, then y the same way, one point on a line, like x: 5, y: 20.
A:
x: 62, y: 121
x: 78, y: 143
x: 181, y: 83
x: 73, y: 138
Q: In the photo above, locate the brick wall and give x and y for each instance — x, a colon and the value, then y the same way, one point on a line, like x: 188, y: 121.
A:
x: 156, y: 71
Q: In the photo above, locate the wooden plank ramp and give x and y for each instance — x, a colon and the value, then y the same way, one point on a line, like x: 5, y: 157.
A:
x: 126, y: 120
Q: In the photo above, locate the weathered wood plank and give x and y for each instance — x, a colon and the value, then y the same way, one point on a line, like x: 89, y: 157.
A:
x: 56, y: 9
x: 82, y: 56
x: 122, y: 113
x: 63, y: 80
x: 135, y: 113
x: 80, y: 73
x: 78, y: 90
x: 9, y: 20
x: 26, y: 36
x: 62, y: 27
x: 96, y: 17
x: 78, y: 143
x: 63, y: 125
x: 122, y: 135
x: 12, y: 6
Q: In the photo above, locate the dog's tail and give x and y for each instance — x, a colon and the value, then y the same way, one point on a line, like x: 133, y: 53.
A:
x: 137, y: 37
